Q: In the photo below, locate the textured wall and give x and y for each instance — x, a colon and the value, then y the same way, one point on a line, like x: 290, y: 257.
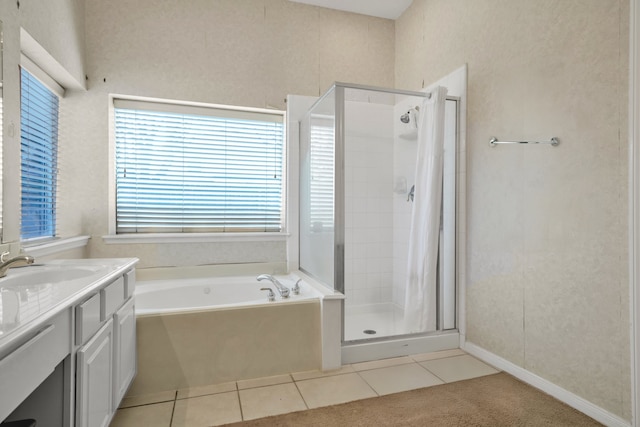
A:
x: 58, y: 26
x: 547, y: 285
x: 239, y: 52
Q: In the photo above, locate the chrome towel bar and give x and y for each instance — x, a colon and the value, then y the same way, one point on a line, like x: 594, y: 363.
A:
x: 494, y: 141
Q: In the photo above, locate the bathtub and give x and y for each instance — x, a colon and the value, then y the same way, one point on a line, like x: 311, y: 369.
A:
x: 208, y: 330
x: 180, y: 296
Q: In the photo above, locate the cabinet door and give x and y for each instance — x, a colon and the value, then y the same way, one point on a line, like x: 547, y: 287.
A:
x: 95, y: 379
x: 125, y: 365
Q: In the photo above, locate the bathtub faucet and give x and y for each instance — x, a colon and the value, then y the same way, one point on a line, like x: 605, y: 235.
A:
x: 282, y: 289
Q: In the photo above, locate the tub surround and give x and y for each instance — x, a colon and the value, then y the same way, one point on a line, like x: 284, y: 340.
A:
x: 55, y: 317
x: 234, y: 341
x: 207, y: 347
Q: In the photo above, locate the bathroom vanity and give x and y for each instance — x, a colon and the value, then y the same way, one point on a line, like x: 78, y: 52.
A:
x: 67, y: 341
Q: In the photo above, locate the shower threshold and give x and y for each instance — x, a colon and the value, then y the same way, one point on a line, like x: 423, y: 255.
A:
x: 384, y: 348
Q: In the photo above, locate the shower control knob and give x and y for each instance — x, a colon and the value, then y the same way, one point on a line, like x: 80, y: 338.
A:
x: 271, y: 296
x: 296, y: 287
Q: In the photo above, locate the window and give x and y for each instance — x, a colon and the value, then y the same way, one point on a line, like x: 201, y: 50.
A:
x: 39, y: 146
x: 184, y: 168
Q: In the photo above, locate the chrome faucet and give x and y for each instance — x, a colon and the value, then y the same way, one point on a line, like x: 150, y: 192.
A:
x: 18, y: 261
x: 282, y: 289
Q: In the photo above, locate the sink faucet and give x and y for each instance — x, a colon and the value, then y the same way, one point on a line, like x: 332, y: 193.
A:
x: 18, y: 261
x: 282, y: 289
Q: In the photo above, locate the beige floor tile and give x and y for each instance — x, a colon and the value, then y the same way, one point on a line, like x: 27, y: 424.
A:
x: 205, y: 390
x: 156, y: 415
x: 335, y: 389
x: 261, y: 382
x: 382, y: 363
x: 270, y: 400
x: 458, y: 368
x: 394, y: 379
x: 204, y: 411
x: 307, y: 375
x: 145, y: 399
x: 437, y: 355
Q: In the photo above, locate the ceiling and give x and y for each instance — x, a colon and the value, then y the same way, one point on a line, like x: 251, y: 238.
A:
x: 390, y: 9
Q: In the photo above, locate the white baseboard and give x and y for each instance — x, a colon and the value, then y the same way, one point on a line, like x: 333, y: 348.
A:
x: 573, y: 400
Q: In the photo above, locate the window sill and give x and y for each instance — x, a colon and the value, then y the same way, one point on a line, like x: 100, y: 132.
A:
x: 52, y: 247
x: 119, y: 239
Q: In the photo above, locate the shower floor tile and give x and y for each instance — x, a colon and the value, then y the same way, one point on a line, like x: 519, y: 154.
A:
x: 382, y: 319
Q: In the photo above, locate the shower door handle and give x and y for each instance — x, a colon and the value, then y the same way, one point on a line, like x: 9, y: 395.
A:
x: 411, y: 193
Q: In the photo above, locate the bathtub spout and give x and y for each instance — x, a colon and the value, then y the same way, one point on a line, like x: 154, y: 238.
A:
x: 282, y: 289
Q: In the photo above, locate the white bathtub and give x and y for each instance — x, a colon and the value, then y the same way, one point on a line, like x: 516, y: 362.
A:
x: 178, y: 296
x: 197, y: 331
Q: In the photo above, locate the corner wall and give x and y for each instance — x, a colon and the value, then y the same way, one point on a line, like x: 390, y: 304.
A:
x: 547, y: 273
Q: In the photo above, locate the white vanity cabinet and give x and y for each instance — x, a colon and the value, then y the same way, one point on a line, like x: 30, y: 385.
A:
x: 94, y: 379
x: 106, y: 360
x: 125, y: 360
x: 67, y: 341
x: 28, y: 365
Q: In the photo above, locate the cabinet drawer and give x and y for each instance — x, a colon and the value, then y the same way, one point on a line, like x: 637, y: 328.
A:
x: 87, y: 319
x: 129, y: 283
x: 22, y: 370
x: 112, y: 298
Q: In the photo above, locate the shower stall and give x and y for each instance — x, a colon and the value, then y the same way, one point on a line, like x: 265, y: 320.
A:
x: 358, y: 159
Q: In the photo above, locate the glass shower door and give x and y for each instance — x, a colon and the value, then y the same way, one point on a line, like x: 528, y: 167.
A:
x: 317, y: 191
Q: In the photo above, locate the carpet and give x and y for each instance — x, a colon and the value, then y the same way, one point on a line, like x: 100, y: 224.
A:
x: 495, y: 400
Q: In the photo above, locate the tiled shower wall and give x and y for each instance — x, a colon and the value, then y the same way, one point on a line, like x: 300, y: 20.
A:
x: 368, y: 203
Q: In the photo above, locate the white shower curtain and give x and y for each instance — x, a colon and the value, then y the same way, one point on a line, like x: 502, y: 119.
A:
x: 420, y: 292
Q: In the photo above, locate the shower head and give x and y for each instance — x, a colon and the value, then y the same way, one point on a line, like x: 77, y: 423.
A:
x: 406, y: 117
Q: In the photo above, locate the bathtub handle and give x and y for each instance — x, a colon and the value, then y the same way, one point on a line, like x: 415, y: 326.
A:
x: 296, y: 287
x: 271, y: 296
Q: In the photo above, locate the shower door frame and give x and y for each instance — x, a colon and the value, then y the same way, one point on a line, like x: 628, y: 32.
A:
x: 339, y: 205
x: 339, y: 181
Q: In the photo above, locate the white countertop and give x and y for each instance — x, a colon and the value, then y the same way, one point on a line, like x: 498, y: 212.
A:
x: 30, y: 296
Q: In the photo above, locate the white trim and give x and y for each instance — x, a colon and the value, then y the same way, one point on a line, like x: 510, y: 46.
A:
x: 41, y: 75
x: 114, y: 97
x: 634, y: 206
x: 44, y: 60
x: 597, y: 413
x: 119, y: 239
x: 55, y: 246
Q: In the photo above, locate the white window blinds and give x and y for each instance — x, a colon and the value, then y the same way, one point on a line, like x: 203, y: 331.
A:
x: 322, y: 141
x: 39, y: 151
x: 195, y: 169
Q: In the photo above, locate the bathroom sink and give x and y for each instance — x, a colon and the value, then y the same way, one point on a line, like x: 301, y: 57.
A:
x: 44, y: 274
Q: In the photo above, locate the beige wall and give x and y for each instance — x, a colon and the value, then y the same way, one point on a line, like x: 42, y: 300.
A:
x: 239, y: 52
x: 547, y: 285
x: 58, y: 26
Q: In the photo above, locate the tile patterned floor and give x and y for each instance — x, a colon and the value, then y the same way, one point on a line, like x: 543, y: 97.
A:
x: 249, y: 399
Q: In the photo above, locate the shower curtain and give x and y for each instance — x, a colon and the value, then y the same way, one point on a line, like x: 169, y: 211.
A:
x: 420, y: 292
